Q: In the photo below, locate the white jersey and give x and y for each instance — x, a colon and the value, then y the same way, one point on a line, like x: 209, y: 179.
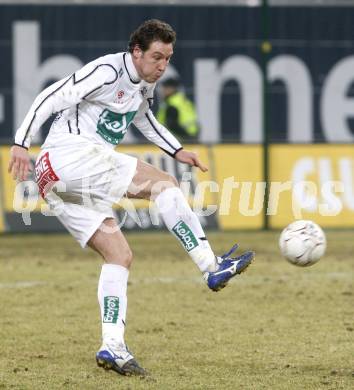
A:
x: 97, y: 103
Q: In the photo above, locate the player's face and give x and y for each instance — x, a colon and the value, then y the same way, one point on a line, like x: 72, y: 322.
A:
x: 152, y: 63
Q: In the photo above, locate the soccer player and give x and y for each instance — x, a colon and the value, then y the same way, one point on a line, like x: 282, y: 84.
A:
x: 80, y: 175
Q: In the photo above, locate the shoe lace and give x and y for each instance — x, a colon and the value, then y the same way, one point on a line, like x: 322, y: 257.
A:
x: 230, y: 252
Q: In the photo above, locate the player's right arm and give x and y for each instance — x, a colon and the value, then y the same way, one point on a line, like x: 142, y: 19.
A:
x: 66, y: 93
x: 40, y: 111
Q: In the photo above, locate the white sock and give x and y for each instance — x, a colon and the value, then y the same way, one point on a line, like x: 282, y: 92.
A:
x: 184, y: 224
x: 112, y: 297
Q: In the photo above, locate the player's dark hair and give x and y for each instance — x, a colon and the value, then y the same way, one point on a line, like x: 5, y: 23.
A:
x: 151, y: 31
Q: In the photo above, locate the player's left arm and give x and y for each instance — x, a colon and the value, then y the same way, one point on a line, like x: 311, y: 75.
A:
x: 155, y: 132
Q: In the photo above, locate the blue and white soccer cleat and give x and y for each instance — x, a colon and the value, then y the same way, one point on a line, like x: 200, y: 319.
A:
x: 119, y: 360
x: 228, y: 268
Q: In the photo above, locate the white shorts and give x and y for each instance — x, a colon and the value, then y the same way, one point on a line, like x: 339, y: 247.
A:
x: 81, y: 184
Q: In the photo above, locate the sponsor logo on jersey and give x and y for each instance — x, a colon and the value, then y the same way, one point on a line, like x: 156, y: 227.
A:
x: 111, y: 310
x: 112, y: 126
x: 120, y: 73
x: 184, y: 233
x: 120, y: 94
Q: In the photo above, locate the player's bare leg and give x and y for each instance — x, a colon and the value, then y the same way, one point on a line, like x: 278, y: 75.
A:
x: 153, y: 184
x: 111, y: 244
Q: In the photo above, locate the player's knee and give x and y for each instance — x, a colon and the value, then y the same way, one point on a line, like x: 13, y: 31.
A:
x: 168, y: 181
x: 165, y: 181
x: 127, y: 258
x: 123, y: 257
x: 173, y: 181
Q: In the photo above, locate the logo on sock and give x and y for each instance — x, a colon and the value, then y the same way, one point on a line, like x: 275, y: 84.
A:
x: 184, y: 233
x: 111, y: 310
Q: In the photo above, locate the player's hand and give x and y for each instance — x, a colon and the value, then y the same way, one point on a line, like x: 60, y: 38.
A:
x: 20, y: 163
x: 191, y: 158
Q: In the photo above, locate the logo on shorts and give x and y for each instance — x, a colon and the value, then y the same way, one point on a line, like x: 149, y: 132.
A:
x: 111, y: 310
x: 186, y: 236
x: 45, y: 175
x: 112, y: 126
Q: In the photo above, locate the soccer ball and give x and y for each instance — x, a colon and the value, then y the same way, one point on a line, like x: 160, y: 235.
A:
x: 302, y: 243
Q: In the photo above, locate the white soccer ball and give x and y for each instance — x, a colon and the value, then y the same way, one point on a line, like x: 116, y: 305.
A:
x: 302, y: 243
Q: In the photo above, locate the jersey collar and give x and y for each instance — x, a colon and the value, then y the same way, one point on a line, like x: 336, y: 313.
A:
x: 130, y: 68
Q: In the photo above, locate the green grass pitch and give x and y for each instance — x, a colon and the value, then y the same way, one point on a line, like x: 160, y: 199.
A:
x: 274, y: 327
